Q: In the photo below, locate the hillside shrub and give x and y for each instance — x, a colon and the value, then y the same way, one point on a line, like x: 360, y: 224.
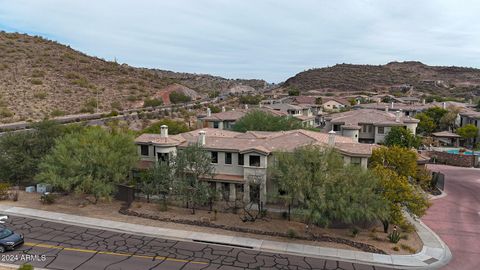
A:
x: 152, y: 102
x: 36, y: 82
x: 176, y: 97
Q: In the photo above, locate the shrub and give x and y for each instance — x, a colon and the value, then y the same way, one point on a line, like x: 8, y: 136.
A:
x: 132, y: 98
x: 116, y: 105
x: 408, y: 248
x: 404, y: 236
x: 407, y: 227
x: 56, y: 113
x: 152, y: 102
x: 354, y: 230
x: 40, y: 95
x: 394, y: 237
x: 38, y: 73
x: 176, y: 97
x: 395, y: 248
x: 112, y: 113
x: 291, y: 233
x: 47, y: 198
x: 36, y: 82
x: 82, y: 82
x: 251, y: 99
x: 25, y: 267
x: 5, y: 112
x: 4, y: 187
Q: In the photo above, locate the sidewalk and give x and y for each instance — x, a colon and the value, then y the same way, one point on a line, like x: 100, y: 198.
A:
x: 433, y: 255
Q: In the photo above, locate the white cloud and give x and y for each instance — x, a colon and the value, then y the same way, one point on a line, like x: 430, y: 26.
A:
x: 255, y: 39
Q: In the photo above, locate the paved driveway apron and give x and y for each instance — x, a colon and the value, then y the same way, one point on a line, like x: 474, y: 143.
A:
x: 456, y: 217
x: 59, y: 246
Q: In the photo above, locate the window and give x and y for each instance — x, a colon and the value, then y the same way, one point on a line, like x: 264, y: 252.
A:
x: 381, y: 130
x: 144, y: 150
x: 254, y: 161
x: 162, y: 157
x: 215, y: 124
x: 240, y: 159
x: 356, y: 161
x: 214, y: 157
x: 336, y: 127
x: 228, y: 158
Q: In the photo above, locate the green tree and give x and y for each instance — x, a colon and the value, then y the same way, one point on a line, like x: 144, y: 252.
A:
x: 399, y: 194
x: 177, y: 97
x: 426, y: 124
x: 157, y: 181
x: 349, y: 196
x: 448, y: 120
x: 251, y: 99
x: 468, y: 132
x: 436, y: 113
x: 403, y: 161
x: 92, y: 162
x: 214, y: 109
x: 293, y: 92
x: 319, y: 101
x: 193, y: 165
x: 263, y: 121
x: 399, y: 136
x: 325, y: 189
x: 174, y: 127
x: 21, y: 152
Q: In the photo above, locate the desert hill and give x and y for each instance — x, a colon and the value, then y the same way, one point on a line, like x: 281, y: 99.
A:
x: 41, y: 78
x: 439, y: 80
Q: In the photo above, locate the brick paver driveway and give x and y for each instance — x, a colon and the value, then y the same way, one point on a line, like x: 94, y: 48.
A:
x: 456, y: 217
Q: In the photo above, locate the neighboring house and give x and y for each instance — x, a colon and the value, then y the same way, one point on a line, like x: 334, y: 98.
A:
x: 413, y: 109
x: 470, y: 116
x: 368, y: 125
x: 303, y: 112
x: 226, y: 119
x: 241, y: 160
x: 335, y: 104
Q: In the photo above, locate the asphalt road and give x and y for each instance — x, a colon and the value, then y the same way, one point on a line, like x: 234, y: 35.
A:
x: 456, y: 217
x: 60, y: 246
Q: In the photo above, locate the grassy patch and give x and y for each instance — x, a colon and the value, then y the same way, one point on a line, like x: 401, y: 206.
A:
x: 40, y: 95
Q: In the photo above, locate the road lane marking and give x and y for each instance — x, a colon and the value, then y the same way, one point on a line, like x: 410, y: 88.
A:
x: 31, y: 244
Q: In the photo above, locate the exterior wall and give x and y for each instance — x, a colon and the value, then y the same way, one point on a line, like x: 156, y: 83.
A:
x: 151, y: 155
x: 351, y: 133
x: 366, y: 135
x: 332, y: 105
x: 412, y: 127
x: 380, y: 137
x: 233, y: 169
x: 363, y: 161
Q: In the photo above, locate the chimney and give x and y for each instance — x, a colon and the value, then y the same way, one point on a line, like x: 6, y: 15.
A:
x: 164, y: 131
x: 423, y: 101
x: 397, y: 116
x: 209, y: 112
x: 246, y: 106
x: 391, y: 105
x: 470, y: 101
x: 444, y: 105
x: 223, y: 109
x: 201, y: 138
x: 331, y: 138
x: 386, y: 108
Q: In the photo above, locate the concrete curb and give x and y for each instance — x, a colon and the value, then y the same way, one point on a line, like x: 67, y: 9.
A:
x: 433, y: 255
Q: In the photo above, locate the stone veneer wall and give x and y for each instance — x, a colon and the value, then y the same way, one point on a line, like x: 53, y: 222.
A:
x: 452, y: 159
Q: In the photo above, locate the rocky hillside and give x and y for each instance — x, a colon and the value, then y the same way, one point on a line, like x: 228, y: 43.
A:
x: 41, y: 78
x: 395, y: 76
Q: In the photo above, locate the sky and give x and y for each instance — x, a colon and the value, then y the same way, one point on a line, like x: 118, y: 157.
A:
x: 262, y: 39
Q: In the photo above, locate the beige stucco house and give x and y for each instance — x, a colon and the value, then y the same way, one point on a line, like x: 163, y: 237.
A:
x: 241, y: 159
x: 368, y: 125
